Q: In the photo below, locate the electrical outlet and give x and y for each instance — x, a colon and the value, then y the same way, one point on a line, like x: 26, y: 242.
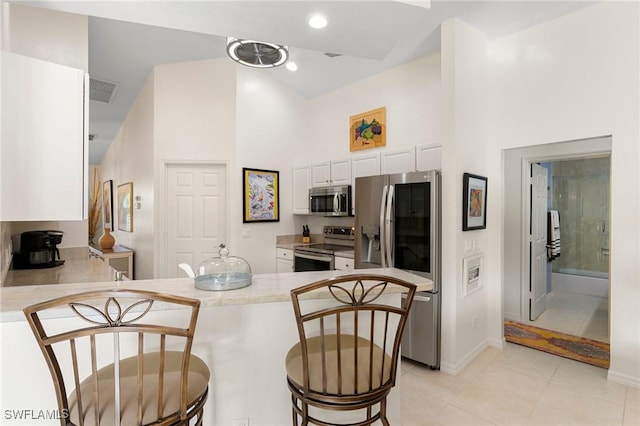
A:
x: 241, y: 422
x: 246, y: 233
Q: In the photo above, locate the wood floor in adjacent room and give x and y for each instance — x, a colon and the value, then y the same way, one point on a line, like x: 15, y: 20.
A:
x: 516, y: 386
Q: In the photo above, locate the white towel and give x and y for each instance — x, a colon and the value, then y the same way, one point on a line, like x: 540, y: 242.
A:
x: 553, y: 235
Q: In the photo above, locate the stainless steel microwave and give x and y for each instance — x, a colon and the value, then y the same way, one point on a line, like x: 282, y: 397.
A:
x: 330, y: 201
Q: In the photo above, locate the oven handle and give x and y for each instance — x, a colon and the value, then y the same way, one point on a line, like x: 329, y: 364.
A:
x: 320, y: 258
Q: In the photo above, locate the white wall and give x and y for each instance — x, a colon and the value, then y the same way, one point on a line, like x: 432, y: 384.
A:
x: 130, y: 159
x: 194, y: 122
x: 572, y: 78
x: 49, y: 35
x: 410, y: 93
x: 464, y: 149
x: 270, y: 128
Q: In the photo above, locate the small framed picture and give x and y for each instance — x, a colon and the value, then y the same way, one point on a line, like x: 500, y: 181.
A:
x: 474, y: 202
x: 125, y: 207
x: 260, y: 195
x: 472, y: 273
x: 107, y: 204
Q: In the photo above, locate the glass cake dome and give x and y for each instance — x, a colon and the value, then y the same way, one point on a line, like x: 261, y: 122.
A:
x: 223, y: 272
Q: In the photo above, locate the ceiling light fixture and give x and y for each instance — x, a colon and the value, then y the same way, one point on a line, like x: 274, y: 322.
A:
x: 317, y: 22
x: 292, y: 66
x: 256, y: 54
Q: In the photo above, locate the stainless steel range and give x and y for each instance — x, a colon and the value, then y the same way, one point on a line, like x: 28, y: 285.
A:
x: 321, y: 256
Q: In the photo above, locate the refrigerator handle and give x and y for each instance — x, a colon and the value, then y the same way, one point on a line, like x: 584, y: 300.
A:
x: 388, y: 241
x: 382, y: 239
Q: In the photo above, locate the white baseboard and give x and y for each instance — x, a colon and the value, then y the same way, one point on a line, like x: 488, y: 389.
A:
x: 624, y: 379
x: 455, y: 369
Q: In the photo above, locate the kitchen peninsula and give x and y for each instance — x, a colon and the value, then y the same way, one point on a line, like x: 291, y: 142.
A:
x: 243, y: 335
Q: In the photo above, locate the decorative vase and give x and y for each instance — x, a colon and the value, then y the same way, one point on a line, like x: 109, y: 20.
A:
x: 107, y: 240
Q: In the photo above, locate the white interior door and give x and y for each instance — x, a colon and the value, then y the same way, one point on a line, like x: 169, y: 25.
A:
x: 538, y: 242
x: 196, y: 219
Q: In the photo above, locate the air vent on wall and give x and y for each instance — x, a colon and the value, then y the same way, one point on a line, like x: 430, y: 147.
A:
x: 102, y: 90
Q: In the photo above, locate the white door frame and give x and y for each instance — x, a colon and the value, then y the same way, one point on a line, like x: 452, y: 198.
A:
x: 161, y: 238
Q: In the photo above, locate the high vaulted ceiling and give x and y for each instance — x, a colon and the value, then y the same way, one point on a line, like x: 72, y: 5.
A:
x: 127, y: 38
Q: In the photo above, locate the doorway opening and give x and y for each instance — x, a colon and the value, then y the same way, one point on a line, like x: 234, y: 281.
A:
x: 576, y: 275
x: 562, y: 303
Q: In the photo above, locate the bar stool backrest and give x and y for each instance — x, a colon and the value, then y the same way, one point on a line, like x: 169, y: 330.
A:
x: 112, y: 359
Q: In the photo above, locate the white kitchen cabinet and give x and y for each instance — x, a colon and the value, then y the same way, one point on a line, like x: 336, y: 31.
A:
x: 428, y: 157
x: 44, y: 158
x: 301, y: 184
x: 341, y: 172
x: 343, y: 263
x: 321, y: 174
x: 363, y: 165
x: 284, y: 260
x: 398, y: 161
x: 329, y: 173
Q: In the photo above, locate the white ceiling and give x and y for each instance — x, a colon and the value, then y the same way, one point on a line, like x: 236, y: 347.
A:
x: 127, y: 38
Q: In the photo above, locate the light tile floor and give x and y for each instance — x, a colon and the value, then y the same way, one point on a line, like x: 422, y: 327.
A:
x: 516, y: 386
x: 576, y: 314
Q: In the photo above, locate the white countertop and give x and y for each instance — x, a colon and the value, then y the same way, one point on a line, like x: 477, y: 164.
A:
x: 77, y: 267
x: 265, y: 288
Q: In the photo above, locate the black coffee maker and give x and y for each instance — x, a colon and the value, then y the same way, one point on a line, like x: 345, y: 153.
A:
x: 37, y: 249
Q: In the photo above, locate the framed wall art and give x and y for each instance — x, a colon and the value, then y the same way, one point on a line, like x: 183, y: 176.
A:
x: 260, y: 195
x: 474, y: 202
x: 472, y: 273
x: 125, y: 207
x: 368, y: 130
x: 107, y: 204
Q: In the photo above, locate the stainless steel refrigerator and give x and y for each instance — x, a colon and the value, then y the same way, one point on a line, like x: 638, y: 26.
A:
x: 397, y: 224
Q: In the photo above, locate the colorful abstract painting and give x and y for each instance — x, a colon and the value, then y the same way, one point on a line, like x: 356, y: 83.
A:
x: 474, y: 202
x: 260, y: 195
x: 368, y: 130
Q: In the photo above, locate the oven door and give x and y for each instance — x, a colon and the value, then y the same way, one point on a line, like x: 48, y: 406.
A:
x: 305, y: 261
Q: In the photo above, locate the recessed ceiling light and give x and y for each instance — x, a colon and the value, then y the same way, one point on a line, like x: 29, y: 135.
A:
x: 317, y: 22
x: 292, y: 66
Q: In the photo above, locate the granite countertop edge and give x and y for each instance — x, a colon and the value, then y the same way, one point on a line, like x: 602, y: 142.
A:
x: 265, y: 288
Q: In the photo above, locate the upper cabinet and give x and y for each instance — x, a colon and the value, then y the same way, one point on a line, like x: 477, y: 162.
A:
x: 363, y: 165
x: 331, y: 173
x: 398, y: 161
x: 301, y: 181
x: 44, y: 141
x: 345, y: 171
x: 428, y: 157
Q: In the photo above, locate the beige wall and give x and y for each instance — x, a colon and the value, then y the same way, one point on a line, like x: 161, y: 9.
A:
x: 130, y: 159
